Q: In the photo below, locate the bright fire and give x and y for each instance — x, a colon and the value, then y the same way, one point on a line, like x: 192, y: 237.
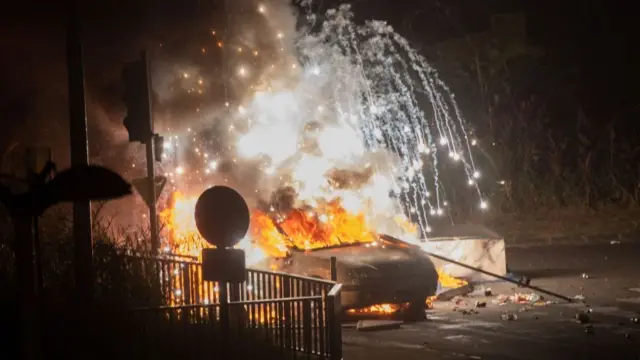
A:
x: 328, y: 224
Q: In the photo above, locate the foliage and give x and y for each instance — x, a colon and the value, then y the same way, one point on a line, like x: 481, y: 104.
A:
x: 538, y: 148
x: 121, y: 284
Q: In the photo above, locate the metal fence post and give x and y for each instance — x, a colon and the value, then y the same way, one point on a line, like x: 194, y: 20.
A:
x: 286, y: 287
x: 334, y: 269
x: 335, y: 328
x: 225, y: 325
x: 186, y: 284
x: 307, y: 326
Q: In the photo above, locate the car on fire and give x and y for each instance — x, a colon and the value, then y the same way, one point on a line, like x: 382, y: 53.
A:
x: 387, y: 271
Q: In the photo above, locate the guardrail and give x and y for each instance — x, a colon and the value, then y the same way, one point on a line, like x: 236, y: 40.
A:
x: 298, y: 315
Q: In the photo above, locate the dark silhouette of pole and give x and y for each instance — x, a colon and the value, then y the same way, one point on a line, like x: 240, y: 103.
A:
x: 83, y: 245
x: 151, y: 172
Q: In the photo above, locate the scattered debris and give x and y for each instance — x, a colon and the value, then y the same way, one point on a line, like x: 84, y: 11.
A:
x: 582, y: 318
x: 585, y: 275
x: 615, y: 242
x: 488, y: 292
x: 378, y: 325
x: 469, y: 312
x: 520, y: 298
x: 588, y: 329
x: 579, y: 297
x: 450, y: 294
x: 524, y: 281
x: 509, y: 317
x: 481, y: 304
x: 525, y: 308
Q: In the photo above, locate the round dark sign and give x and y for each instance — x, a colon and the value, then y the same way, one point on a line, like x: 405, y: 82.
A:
x: 222, y: 216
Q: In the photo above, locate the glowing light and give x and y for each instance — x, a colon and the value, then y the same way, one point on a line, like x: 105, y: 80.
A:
x: 321, y: 147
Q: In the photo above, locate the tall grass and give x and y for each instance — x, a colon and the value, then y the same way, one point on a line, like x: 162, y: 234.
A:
x: 115, y: 331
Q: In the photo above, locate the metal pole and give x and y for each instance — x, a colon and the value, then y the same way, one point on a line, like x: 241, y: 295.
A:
x: 83, y: 246
x: 334, y: 268
x: 151, y: 172
x: 225, y: 321
x: 504, y: 278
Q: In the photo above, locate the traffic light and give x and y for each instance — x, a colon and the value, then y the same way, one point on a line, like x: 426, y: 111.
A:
x: 158, y: 144
x: 136, y: 98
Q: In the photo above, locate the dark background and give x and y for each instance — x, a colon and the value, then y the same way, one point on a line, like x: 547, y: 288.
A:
x: 585, y: 84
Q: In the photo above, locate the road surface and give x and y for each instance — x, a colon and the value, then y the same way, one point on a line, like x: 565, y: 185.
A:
x: 611, y: 290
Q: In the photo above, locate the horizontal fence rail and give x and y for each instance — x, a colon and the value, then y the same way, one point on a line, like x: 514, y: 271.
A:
x: 294, y: 315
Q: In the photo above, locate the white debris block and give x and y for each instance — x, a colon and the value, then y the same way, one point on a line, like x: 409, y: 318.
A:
x: 378, y: 325
x: 473, y: 245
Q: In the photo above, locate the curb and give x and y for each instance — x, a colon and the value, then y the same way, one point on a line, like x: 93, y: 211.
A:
x: 612, y: 239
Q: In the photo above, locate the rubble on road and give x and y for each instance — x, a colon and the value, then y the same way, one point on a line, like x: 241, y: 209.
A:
x: 522, y: 298
x: 378, y: 325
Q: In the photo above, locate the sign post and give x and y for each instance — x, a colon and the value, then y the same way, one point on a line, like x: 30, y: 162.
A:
x: 222, y: 218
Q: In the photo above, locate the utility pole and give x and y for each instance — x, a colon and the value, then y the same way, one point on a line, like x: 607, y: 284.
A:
x: 151, y: 172
x: 82, y: 237
x: 139, y: 124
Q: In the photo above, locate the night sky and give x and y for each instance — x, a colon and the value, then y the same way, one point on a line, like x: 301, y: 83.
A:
x: 592, y: 43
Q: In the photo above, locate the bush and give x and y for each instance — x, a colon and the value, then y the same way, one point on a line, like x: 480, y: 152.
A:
x: 114, y: 331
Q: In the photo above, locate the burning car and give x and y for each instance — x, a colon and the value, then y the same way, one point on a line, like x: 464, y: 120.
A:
x: 385, y: 271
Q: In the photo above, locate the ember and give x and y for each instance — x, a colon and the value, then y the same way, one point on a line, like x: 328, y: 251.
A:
x: 326, y: 225
x: 379, y: 309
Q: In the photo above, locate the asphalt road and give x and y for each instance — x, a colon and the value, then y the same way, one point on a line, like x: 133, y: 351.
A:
x: 611, y: 293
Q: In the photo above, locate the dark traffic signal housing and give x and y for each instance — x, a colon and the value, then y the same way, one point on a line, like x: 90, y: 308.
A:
x: 158, y: 144
x: 137, y: 100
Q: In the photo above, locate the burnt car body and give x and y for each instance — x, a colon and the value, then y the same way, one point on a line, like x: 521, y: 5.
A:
x: 387, y: 271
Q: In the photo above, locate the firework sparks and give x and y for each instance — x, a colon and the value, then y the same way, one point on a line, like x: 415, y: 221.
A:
x: 332, y: 149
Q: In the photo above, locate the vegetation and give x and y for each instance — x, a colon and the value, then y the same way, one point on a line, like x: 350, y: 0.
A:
x: 121, y: 285
x: 544, y: 152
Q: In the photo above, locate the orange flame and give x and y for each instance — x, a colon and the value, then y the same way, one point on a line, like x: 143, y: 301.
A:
x: 449, y: 281
x: 379, y: 309
x: 326, y: 225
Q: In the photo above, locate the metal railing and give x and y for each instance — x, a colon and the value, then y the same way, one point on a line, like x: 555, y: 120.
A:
x: 295, y: 315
